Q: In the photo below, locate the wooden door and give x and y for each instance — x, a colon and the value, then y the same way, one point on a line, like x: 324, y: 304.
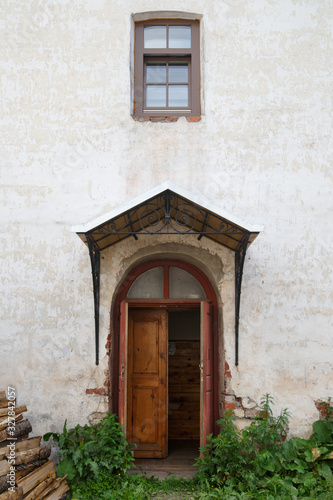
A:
x: 206, y: 375
x: 147, y: 403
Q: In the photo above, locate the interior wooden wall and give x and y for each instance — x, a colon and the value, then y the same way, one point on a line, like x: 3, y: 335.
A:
x: 184, y: 390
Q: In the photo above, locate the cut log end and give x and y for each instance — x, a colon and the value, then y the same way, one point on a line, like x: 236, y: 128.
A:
x: 14, y: 494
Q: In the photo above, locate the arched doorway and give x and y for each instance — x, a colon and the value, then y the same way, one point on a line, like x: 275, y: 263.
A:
x: 165, y: 356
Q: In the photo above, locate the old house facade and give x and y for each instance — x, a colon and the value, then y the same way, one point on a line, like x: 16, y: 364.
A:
x: 166, y: 212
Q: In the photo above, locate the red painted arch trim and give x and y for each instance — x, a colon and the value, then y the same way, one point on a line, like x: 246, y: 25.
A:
x: 166, y: 263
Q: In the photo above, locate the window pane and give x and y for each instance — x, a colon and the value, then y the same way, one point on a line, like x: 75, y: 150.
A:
x: 154, y: 37
x: 156, y: 73
x: 148, y: 285
x: 178, y: 96
x: 179, y: 37
x: 178, y: 73
x: 156, y: 96
x: 182, y: 285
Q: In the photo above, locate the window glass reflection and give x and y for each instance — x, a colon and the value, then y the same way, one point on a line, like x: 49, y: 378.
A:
x: 178, y: 96
x: 178, y: 73
x: 180, y: 37
x: 155, y: 96
x: 182, y: 285
x: 156, y: 73
x: 154, y: 37
x: 149, y: 285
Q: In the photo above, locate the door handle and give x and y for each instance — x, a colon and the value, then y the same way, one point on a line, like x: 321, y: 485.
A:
x: 201, y: 371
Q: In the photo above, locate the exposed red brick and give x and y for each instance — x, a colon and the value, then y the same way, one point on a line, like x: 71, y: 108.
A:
x: 108, y: 345
x: 322, y: 408
x: 229, y: 406
x: 320, y: 405
x: 163, y: 118
x: 101, y: 391
x: 193, y: 118
x: 226, y: 366
x: 228, y: 374
x: 106, y: 383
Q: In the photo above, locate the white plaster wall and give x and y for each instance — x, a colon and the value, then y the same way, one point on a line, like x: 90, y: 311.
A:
x: 70, y: 151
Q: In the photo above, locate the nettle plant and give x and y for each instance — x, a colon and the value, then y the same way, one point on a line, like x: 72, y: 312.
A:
x: 259, y: 462
x: 87, y: 451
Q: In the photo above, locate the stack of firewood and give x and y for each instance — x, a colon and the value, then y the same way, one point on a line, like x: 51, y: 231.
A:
x: 25, y: 469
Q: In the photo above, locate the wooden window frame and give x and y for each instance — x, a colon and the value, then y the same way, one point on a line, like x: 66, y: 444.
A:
x: 189, y: 55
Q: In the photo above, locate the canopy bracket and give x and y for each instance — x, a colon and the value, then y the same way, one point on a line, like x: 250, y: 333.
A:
x: 95, y: 270
x: 239, y: 265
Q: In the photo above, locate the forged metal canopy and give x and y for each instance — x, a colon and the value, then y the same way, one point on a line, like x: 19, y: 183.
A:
x: 168, y: 209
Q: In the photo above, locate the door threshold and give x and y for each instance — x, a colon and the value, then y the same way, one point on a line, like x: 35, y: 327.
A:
x: 180, y: 462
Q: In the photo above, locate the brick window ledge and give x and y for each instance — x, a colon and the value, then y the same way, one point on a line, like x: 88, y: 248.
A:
x: 165, y: 119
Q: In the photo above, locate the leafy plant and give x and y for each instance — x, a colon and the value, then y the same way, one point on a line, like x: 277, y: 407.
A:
x: 258, y: 462
x: 255, y: 464
x: 87, y: 451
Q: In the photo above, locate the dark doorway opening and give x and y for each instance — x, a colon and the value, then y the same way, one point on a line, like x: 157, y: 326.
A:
x: 184, y: 381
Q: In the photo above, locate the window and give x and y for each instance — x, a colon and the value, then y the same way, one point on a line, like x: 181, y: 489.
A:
x: 166, y: 282
x: 167, y: 68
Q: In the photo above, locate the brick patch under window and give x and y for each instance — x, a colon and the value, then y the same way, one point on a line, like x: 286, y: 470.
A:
x: 165, y: 119
x: 160, y: 119
x: 193, y: 118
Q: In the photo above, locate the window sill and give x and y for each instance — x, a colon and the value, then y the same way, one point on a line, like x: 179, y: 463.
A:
x: 165, y: 119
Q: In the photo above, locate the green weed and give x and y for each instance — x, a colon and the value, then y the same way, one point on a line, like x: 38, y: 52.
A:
x: 86, y: 452
x: 257, y: 463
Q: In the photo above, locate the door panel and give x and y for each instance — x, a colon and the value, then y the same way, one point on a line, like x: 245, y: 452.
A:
x: 206, y: 376
x: 147, y: 411
x: 143, y: 409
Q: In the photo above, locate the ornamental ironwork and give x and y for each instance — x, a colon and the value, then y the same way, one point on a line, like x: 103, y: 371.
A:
x: 168, y: 214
